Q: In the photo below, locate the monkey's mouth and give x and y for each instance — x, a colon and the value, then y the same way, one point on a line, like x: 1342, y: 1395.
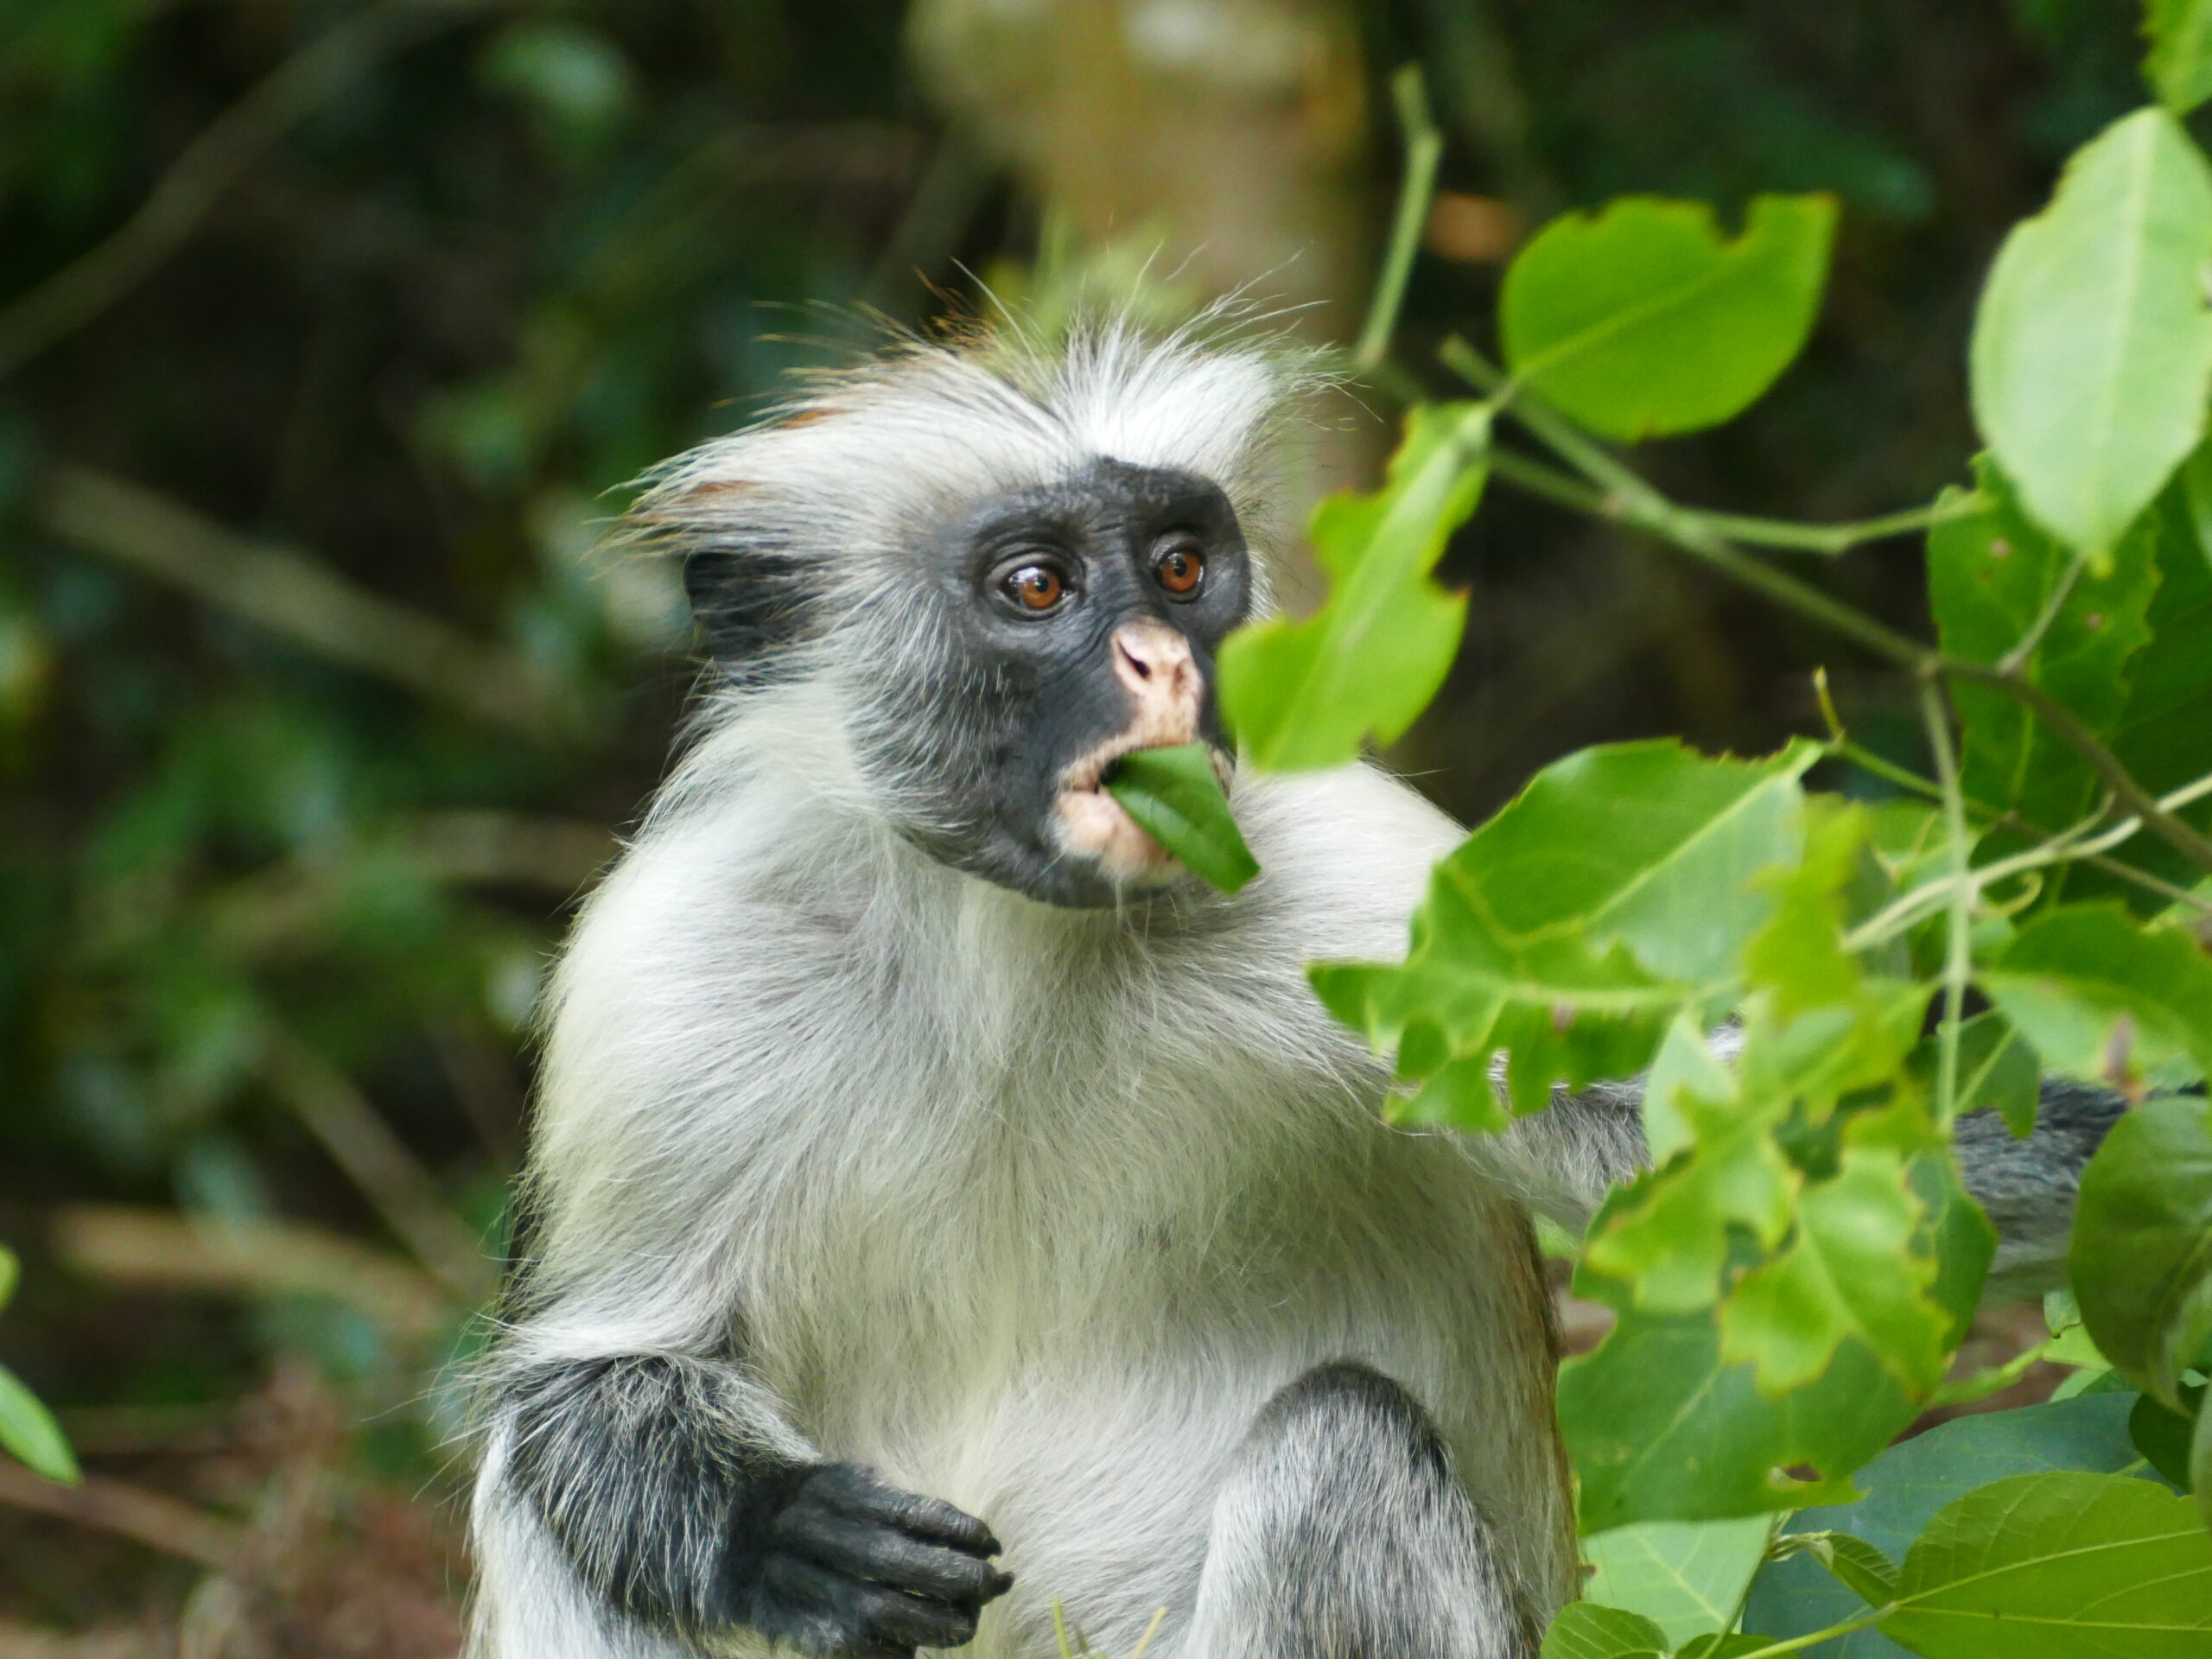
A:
x: 1089, y: 823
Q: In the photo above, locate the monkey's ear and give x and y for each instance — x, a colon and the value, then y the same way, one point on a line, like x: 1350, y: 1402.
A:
x: 752, y: 607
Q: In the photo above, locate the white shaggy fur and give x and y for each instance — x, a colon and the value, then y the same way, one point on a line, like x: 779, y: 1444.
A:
x: 1029, y: 1209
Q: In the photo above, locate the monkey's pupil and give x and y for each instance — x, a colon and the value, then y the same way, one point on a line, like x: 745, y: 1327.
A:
x: 1038, y: 589
x: 1179, y: 572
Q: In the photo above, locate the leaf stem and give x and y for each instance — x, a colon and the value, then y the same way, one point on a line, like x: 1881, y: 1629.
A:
x: 2015, y: 659
x: 1796, y: 1644
x: 1835, y: 539
x: 1424, y: 149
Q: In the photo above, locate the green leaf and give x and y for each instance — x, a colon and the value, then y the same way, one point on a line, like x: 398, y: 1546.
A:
x: 11, y: 1273
x: 1909, y: 1484
x: 2164, y: 736
x: 1659, y: 1426
x: 29, y: 1431
x: 2107, y: 1000
x: 2163, y: 1436
x: 2179, y: 65
x: 1998, y: 1072
x: 1687, y: 1577
x: 1584, y: 1630
x: 1570, y: 928
x: 1990, y: 577
x: 1734, y: 1644
x: 2141, y: 1257
x: 2092, y: 354
x: 1644, y: 321
x: 1848, y: 1272
x: 1668, y: 1235
x: 2063, y: 1566
x: 1302, y: 694
x: 1176, y: 799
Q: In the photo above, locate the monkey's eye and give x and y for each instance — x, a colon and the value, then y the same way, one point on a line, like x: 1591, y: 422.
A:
x: 1180, y: 569
x: 1034, y: 586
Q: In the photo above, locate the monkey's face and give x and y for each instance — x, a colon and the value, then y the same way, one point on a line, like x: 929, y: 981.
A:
x: 1076, y: 621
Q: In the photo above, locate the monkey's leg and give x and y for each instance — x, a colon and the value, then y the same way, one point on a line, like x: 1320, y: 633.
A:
x: 1344, y: 1533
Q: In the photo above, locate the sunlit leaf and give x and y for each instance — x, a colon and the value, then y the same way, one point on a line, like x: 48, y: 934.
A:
x: 1584, y: 1630
x: 1848, y: 1271
x: 1306, y: 693
x: 2092, y: 348
x: 1660, y: 1428
x: 2141, y: 1257
x: 1644, y: 320
x: 2060, y: 1566
x: 1569, y: 929
x: 1176, y: 799
x: 1686, y: 1577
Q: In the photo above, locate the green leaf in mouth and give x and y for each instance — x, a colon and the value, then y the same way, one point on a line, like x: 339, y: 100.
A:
x: 1176, y: 799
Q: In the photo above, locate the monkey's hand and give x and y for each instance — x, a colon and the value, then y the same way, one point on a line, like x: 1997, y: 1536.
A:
x: 846, y: 1565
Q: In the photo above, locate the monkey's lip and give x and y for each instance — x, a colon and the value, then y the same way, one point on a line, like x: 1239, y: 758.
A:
x: 1094, y: 825
x: 1087, y: 775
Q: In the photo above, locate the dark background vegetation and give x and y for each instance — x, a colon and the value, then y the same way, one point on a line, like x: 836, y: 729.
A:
x: 317, y: 712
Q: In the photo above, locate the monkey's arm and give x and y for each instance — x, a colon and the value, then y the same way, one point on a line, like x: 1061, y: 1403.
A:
x: 678, y: 1495
x: 1562, y: 1159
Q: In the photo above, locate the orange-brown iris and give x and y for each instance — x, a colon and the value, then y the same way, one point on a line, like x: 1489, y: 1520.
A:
x: 1178, y: 570
x: 1038, y: 586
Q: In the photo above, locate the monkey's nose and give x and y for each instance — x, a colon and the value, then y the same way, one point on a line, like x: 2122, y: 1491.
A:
x: 1155, y: 661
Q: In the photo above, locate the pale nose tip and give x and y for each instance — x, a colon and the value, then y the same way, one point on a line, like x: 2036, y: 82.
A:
x: 1136, y: 659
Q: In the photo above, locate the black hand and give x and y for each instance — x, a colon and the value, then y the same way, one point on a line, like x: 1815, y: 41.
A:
x: 847, y: 1565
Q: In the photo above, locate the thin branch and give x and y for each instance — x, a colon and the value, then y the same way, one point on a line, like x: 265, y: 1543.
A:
x: 89, y: 284
x: 2068, y: 728
x: 290, y: 594
x: 1958, y: 951
x: 159, y: 1522
x: 249, y: 1255
x: 1834, y: 540
x: 1424, y: 148
x: 1633, y: 501
x: 1866, y: 760
x: 378, y: 1163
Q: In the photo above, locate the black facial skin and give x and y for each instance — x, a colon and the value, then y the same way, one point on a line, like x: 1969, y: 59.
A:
x: 1022, y: 695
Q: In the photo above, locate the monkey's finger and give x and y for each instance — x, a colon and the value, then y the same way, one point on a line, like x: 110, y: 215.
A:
x: 851, y: 1491
x: 871, y: 1550
x: 876, y: 1613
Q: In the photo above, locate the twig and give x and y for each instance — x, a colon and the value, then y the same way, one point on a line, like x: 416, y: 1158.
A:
x: 1424, y: 148
x: 131, y: 1246
x: 160, y: 1522
x: 2068, y: 728
x: 1905, y: 777
x: 1836, y: 539
x: 378, y: 1163
x: 1632, y: 500
x: 291, y: 596
x: 95, y: 280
